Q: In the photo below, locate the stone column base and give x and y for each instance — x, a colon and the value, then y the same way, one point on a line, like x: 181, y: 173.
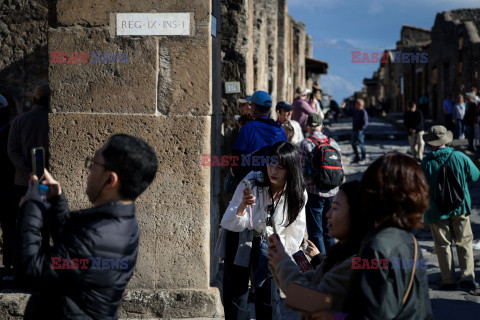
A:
x: 180, y: 303
x: 139, y: 304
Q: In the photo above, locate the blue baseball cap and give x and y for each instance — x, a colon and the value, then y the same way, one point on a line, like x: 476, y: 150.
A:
x: 261, y: 98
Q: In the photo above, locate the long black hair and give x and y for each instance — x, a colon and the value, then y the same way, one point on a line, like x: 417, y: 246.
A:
x: 286, y: 154
x: 360, y: 226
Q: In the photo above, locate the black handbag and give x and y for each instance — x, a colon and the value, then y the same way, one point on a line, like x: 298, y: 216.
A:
x: 450, y: 194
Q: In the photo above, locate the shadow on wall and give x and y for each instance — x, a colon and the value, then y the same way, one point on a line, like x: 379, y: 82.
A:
x: 24, y: 58
x: 21, y: 77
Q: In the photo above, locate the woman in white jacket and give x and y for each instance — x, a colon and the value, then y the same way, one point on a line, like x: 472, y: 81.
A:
x: 276, y: 202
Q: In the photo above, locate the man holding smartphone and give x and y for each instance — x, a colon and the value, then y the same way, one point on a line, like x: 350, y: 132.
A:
x: 65, y: 282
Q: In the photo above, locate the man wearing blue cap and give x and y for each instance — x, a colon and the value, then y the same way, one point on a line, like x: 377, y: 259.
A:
x: 258, y: 135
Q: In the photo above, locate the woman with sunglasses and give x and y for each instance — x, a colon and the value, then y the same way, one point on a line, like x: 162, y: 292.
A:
x: 276, y: 203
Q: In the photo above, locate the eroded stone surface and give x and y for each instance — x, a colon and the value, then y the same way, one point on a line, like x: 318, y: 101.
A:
x: 118, y: 87
x: 171, y: 303
x: 97, y: 13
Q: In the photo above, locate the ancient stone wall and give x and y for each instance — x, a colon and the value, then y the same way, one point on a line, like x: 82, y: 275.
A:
x: 170, y: 92
x: 23, y: 49
x: 164, y: 93
x: 453, y: 61
x: 454, y: 54
x: 299, y: 49
x: 413, y: 36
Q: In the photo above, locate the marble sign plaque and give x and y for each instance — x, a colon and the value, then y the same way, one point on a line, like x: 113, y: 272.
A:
x: 153, y: 24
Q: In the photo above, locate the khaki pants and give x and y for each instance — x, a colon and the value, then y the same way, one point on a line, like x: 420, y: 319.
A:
x: 417, y: 144
x: 455, y: 228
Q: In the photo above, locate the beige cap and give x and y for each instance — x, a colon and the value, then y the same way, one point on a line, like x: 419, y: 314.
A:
x: 244, y: 100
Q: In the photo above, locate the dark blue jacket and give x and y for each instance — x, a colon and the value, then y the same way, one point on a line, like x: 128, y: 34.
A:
x: 108, y: 234
x: 360, y: 120
x: 254, y: 139
x: 258, y: 134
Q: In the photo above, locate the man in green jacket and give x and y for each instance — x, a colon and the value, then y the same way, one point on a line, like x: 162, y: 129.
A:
x: 453, y: 225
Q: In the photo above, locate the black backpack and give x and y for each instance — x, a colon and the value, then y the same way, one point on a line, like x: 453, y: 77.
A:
x: 450, y: 194
x: 327, y: 164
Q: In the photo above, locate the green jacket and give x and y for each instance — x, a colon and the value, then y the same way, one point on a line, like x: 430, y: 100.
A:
x: 377, y: 294
x: 465, y: 170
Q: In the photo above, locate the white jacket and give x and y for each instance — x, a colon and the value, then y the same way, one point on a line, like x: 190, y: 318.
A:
x: 255, y: 217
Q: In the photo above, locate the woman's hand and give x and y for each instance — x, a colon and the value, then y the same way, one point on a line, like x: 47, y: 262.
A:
x: 54, y: 188
x: 324, y: 315
x: 247, y: 200
x: 276, y: 251
x: 311, y: 250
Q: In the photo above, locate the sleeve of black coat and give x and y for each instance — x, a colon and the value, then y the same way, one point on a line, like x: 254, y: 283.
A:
x: 373, y: 295
x: 57, y: 216
x: 34, y: 266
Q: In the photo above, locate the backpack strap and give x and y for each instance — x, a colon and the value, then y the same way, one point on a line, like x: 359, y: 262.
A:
x: 317, y: 141
x: 413, y: 271
x: 449, y: 156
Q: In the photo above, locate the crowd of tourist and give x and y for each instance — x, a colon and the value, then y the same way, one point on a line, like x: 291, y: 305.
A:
x: 296, y: 203
x: 356, y: 230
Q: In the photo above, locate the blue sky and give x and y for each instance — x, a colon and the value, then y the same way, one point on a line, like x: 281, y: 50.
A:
x: 341, y: 26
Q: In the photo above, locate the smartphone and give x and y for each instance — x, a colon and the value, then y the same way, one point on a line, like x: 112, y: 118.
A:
x: 248, y: 185
x: 38, y: 162
x: 302, y: 261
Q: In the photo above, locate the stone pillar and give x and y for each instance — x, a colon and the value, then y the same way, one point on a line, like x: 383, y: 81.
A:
x: 260, y: 48
x: 309, y: 77
x: 163, y: 94
x: 299, y: 30
x: 283, y: 24
x: 237, y: 57
x: 272, y: 43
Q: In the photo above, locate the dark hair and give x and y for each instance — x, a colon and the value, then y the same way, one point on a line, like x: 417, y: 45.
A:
x: 411, y: 104
x: 42, y: 101
x: 360, y: 225
x: 261, y: 109
x: 395, y: 191
x: 134, y: 161
x: 243, y: 120
x: 287, y: 155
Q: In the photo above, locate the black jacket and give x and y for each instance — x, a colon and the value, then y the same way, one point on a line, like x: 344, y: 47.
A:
x: 106, y: 235
x: 413, y: 120
x: 378, y: 293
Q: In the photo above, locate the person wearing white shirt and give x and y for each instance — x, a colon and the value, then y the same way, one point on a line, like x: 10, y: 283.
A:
x: 458, y: 114
x: 277, y: 202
